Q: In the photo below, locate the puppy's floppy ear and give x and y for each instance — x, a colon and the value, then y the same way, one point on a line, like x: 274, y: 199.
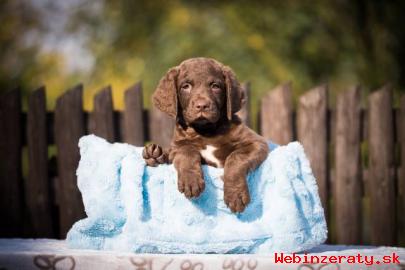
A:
x: 234, y: 93
x: 165, y: 95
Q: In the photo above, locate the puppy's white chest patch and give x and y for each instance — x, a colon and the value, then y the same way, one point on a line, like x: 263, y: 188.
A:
x: 208, y: 155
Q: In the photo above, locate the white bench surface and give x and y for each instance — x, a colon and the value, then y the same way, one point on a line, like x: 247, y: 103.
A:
x: 54, y: 254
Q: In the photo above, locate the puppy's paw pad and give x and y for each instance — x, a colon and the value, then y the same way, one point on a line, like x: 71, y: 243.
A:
x: 151, y: 162
x: 191, y: 186
x: 237, y: 199
x: 154, y: 155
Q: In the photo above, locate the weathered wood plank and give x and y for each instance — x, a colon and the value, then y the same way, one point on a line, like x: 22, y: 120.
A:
x: 245, y: 112
x: 347, y: 184
x: 101, y: 120
x: 10, y: 166
x: 401, y: 179
x: 69, y: 127
x: 312, y: 133
x: 364, y: 150
x: 381, y: 171
x: 133, y: 125
x: 161, y: 127
x: 277, y: 115
x: 37, y: 185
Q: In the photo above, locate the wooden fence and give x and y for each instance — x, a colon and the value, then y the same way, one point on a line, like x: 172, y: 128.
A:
x: 355, y: 152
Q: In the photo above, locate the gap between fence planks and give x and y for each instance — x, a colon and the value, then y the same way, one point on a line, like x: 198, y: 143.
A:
x: 11, y: 208
x: 347, y: 181
x: 38, y: 199
x: 69, y: 127
x: 101, y: 120
x: 381, y: 167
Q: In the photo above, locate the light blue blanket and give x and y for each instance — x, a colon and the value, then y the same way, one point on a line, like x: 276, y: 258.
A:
x: 133, y: 207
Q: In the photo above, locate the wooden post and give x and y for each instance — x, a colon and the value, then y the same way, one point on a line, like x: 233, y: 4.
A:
x: 381, y: 162
x: 69, y: 127
x: 37, y: 185
x: 312, y: 133
x: 277, y: 115
x: 401, y: 180
x: 161, y: 127
x: 133, y: 123
x: 364, y: 138
x: 10, y: 165
x: 101, y: 122
x: 245, y: 112
x: 347, y: 184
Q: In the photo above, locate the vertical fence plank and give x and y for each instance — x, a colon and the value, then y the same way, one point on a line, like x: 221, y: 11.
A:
x: 277, y: 115
x: 401, y: 179
x: 69, y: 127
x: 347, y: 184
x: 312, y: 133
x: 381, y: 161
x: 245, y: 112
x: 10, y: 165
x: 101, y: 122
x: 37, y: 185
x: 161, y: 127
x: 364, y: 138
x: 133, y: 123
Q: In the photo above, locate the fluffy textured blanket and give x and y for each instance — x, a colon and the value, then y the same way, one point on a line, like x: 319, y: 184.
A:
x: 133, y: 207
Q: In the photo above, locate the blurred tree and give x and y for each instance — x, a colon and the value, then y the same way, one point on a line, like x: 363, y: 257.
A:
x: 17, y: 20
x: 119, y: 42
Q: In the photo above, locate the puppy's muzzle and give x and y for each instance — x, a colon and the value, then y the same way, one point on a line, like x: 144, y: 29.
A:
x: 202, y: 105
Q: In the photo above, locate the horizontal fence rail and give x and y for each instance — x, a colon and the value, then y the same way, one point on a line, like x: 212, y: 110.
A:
x: 357, y: 155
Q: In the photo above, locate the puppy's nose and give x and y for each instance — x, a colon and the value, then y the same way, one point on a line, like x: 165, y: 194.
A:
x: 202, y: 104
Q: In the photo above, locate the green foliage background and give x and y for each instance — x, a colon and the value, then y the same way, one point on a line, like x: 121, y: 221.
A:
x: 266, y: 42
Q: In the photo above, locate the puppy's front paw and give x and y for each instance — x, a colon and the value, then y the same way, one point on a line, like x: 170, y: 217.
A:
x: 236, y: 197
x: 154, y: 155
x: 191, y: 184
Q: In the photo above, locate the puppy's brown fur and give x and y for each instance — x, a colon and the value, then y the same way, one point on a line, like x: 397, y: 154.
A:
x: 204, y: 95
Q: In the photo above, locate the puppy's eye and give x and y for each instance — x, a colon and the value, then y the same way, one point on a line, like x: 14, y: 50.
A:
x: 186, y: 87
x: 215, y: 86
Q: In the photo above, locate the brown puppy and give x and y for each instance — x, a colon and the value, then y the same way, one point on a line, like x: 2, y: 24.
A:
x: 204, y: 95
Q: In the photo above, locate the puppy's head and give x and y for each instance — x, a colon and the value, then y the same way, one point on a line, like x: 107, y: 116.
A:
x: 200, y: 91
